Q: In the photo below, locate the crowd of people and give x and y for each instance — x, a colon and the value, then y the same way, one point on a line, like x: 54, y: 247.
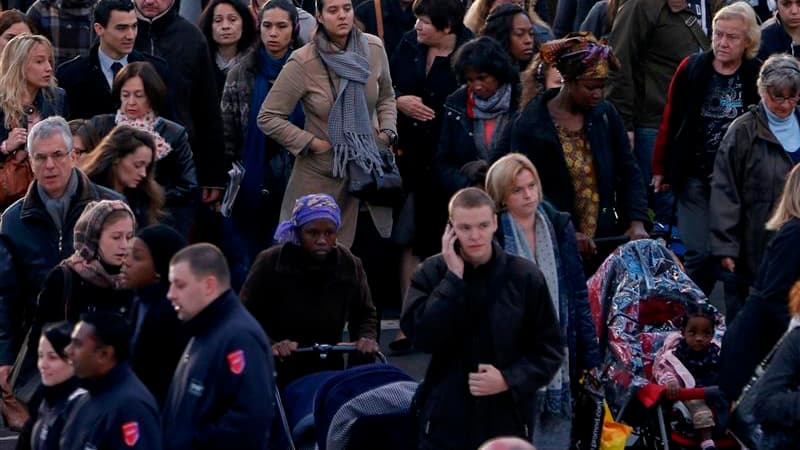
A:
x: 471, y: 163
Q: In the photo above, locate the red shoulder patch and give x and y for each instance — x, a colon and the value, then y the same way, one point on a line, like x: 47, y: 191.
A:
x: 236, y: 361
x: 130, y: 433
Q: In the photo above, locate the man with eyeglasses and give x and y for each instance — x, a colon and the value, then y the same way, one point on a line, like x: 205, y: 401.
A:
x: 36, y: 231
x: 708, y: 91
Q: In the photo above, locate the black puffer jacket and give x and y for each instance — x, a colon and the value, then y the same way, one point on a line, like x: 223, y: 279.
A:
x: 30, y: 246
x: 186, y: 51
x: 512, y: 326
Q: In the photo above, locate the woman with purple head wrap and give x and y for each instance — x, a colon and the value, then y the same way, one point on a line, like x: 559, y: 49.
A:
x: 307, y: 287
x: 307, y: 209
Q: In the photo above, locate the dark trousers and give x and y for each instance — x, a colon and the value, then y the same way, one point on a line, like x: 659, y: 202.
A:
x: 381, y: 260
x: 695, y: 231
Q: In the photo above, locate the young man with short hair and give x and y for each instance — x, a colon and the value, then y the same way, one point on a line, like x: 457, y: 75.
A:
x: 487, y: 318
x: 89, y: 79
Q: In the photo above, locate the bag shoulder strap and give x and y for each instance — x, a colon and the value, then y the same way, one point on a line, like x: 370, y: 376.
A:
x: 66, y: 293
x: 693, y: 24
x: 379, y: 17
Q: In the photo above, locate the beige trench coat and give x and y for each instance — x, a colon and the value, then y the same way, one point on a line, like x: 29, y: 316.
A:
x: 305, y: 78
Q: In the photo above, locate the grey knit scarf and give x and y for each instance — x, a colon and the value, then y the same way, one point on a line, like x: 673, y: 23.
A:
x: 350, y: 123
x: 496, y: 105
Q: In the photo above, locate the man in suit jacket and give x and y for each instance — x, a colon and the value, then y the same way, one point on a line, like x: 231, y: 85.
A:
x: 88, y: 79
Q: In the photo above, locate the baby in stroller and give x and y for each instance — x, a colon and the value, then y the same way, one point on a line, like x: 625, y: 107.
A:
x: 690, y: 359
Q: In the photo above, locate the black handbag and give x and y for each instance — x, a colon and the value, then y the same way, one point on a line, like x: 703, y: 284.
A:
x: 24, y: 378
x: 381, y: 190
x: 589, y: 414
x: 742, y: 423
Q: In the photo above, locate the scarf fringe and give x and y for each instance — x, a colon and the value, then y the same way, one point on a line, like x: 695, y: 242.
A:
x: 358, y: 149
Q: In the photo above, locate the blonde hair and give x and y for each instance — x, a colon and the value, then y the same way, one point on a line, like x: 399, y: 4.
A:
x: 502, y: 175
x: 788, y: 206
x: 13, y: 62
x: 744, y: 12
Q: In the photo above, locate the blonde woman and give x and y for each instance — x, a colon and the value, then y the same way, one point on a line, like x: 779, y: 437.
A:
x: 533, y: 229
x: 764, y: 317
x: 28, y: 91
x: 776, y: 396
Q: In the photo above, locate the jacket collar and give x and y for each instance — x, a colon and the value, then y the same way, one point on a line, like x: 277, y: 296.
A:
x: 109, y: 381
x: 762, y: 124
x: 291, y: 262
x: 161, y: 20
x: 205, y: 320
x: 33, y: 206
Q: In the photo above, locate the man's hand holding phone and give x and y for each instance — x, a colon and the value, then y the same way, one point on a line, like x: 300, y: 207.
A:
x: 450, y: 251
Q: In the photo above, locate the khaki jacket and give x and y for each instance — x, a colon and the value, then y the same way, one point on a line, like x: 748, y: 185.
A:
x: 305, y: 78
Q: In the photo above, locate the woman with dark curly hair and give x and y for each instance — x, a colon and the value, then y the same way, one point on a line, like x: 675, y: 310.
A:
x: 229, y: 31
x: 124, y: 162
x: 511, y: 26
x: 478, y: 116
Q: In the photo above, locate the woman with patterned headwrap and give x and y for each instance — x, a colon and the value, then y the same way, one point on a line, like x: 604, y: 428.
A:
x: 577, y: 141
x: 90, y: 279
x: 304, y: 290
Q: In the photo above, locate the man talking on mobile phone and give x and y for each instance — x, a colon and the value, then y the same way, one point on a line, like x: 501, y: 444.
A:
x: 487, y: 319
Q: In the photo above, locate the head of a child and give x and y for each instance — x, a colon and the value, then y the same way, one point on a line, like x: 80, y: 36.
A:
x: 697, y: 328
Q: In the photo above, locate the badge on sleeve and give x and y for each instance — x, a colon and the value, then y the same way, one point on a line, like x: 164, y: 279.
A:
x: 130, y: 433
x: 236, y: 361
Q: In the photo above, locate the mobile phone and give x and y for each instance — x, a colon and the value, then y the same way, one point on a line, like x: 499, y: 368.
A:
x: 456, y: 244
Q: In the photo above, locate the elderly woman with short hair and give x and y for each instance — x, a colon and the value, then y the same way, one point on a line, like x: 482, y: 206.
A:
x: 758, y: 151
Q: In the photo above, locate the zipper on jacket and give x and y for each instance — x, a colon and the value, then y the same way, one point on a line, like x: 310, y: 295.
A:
x: 60, y: 243
x: 428, y: 427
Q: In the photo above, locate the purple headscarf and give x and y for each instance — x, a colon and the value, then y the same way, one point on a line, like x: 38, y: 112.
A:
x: 307, y: 209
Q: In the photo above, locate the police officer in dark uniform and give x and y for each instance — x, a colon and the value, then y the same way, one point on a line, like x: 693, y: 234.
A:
x: 118, y: 412
x: 221, y: 395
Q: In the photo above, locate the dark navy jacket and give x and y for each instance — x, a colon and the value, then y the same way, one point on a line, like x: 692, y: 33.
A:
x: 118, y: 412
x: 221, y: 395
x: 774, y: 39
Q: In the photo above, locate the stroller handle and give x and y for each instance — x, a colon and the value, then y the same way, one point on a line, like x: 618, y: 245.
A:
x: 691, y: 394
x: 323, y: 350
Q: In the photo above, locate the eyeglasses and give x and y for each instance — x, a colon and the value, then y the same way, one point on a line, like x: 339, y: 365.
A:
x: 57, y: 156
x: 782, y: 100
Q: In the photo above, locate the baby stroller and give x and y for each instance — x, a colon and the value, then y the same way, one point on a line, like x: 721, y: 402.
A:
x: 637, y: 296
x: 364, y: 407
